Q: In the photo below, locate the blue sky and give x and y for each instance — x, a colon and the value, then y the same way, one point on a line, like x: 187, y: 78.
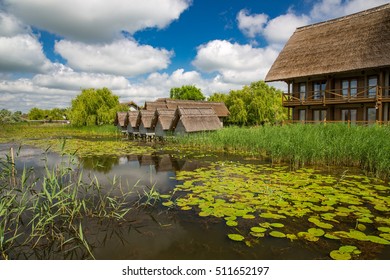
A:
x: 50, y: 50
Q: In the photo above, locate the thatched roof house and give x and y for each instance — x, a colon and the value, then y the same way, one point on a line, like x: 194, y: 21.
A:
x: 120, y: 119
x: 166, y: 103
x: 131, y: 121
x: 188, y: 120
x: 337, y: 63
x: 162, y: 121
x: 145, y: 121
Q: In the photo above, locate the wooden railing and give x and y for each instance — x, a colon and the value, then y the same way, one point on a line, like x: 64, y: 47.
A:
x: 324, y: 122
x: 370, y: 94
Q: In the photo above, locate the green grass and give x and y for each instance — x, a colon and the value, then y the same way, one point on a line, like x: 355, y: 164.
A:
x: 332, y: 144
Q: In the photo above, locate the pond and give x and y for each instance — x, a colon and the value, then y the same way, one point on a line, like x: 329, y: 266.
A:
x: 192, y: 205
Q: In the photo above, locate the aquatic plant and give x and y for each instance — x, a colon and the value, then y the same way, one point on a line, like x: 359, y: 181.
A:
x: 301, y: 145
x: 53, y: 210
x: 302, y: 205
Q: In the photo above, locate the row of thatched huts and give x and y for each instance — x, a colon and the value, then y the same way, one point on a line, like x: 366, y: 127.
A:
x: 171, y: 117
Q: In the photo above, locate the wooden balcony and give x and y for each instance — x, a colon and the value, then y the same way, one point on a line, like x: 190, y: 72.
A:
x: 368, y: 95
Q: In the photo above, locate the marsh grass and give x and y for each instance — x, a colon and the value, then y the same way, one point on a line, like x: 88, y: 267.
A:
x: 53, y: 210
x: 366, y: 147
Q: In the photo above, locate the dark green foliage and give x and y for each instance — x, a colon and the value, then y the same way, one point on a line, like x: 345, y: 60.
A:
x: 256, y: 104
x: 49, y: 115
x: 94, y: 107
x: 9, y: 117
x: 187, y: 92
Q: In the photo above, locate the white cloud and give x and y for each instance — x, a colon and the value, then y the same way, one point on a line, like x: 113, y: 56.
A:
x: 67, y: 79
x: 96, y: 20
x: 22, y: 53
x: 121, y: 57
x: 328, y: 9
x: 11, y: 26
x: 251, y: 25
x: 237, y: 64
x: 280, y: 29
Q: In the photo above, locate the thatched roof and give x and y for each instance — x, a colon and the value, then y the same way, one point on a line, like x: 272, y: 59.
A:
x: 120, y: 118
x: 145, y: 118
x: 164, y: 116
x: 196, y: 119
x: 132, y: 118
x: 167, y: 103
x: 355, y: 42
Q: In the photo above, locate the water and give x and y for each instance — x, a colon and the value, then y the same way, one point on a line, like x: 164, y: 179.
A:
x: 160, y: 232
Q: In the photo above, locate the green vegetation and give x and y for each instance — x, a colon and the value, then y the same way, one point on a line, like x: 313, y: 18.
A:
x: 187, y: 92
x: 255, y: 104
x: 9, y: 117
x: 94, y: 107
x: 300, y: 145
x: 257, y: 201
x: 55, y: 210
x: 53, y: 114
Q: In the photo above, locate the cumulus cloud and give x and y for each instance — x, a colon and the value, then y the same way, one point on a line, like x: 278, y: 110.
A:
x: 11, y: 26
x: 96, y: 21
x: 327, y: 9
x: 121, y: 57
x: 22, y: 53
x: 67, y: 79
x: 251, y: 25
x: 238, y: 64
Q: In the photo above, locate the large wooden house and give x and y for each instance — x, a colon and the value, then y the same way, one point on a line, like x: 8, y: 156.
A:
x: 338, y: 70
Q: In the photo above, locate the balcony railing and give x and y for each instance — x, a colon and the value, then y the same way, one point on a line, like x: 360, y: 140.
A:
x: 371, y: 94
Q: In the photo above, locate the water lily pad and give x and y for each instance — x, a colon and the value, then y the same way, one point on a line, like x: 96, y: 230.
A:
x: 248, y: 216
x: 272, y: 216
x: 258, y: 229
x: 257, y: 234
x: 320, y: 224
x: 186, y: 208
x: 292, y: 237
x: 384, y: 229
x: 168, y: 203
x: 277, y: 225
x: 361, y: 227
x: 308, y: 236
x: 365, y: 220
x: 377, y: 239
x: 347, y: 249
x: 316, y: 232
x: 385, y: 236
x: 236, y: 237
x: 331, y: 236
x: 358, y: 235
x: 165, y: 196
x: 337, y: 255
x: 231, y: 223
x: 277, y: 234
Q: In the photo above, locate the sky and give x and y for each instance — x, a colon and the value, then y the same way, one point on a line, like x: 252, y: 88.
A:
x: 52, y: 49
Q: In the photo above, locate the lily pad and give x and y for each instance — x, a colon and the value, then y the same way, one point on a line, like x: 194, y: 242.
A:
x: 236, y: 237
x: 331, y: 236
x: 277, y: 234
x: 377, y: 239
x: 337, y: 255
x: 292, y: 237
x: 272, y: 216
x: 258, y: 229
x: 277, y: 225
x: 384, y: 229
x: 320, y: 224
x: 168, y: 203
x: 231, y: 223
x: 316, y: 231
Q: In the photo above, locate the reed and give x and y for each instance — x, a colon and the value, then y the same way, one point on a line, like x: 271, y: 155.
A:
x: 52, y: 210
x: 331, y: 144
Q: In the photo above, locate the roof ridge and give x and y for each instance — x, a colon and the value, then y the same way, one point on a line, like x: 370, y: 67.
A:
x: 346, y: 17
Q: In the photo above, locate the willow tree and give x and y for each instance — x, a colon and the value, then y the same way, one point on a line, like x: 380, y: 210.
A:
x: 94, y: 107
x: 255, y: 104
x: 187, y: 92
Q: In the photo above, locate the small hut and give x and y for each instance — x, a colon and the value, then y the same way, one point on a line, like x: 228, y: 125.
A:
x: 145, y: 119
x: 189, y: 120
x: 131, y: 122
x: 120, y: 120
x: 162, y: 121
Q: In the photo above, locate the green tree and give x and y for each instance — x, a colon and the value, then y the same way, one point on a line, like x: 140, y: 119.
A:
x: 218, y: 97
x: 94, y: 107
x: 36, y: 114
x: 187, y: 92
x: 255, y: 104
x: 7, y: 116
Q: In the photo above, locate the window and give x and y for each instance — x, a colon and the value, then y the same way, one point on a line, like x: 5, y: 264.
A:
x: 349, y: 88
x: 319, y: 90
x: 302, y: 115
x: 372, y: 84
x: 319, y: 115
x: 349, y: 115
x: 302, y: 91
x: 371, y: 115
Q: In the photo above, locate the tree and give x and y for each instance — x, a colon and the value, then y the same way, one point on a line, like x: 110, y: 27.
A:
x: 187, y: 92
x: 94, y: 107
x: 36, y: 114
x: 255, y: 104
x: 218, y: 97
x: 9, y: 117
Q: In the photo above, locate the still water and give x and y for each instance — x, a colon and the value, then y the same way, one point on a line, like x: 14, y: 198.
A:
x: 161, y: 232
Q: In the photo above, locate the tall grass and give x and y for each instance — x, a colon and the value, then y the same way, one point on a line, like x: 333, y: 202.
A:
x: 331, y: 144
x: 51, y: 210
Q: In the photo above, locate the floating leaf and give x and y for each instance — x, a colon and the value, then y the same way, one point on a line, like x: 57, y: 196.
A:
x: 277, y: 234
x: 320, y: 224
x: 316, y: 232
x: 277, y: 225
x: 186, y: 208
x: 385, y: 236
x: 331, y: 236
x: 168, y: 203
x: 347, y: 249
x: 365, y: 220
x: 361, y: 227
x: 272, y: 216
x: 384, y: 229
x: 377, y: 239
x: 248, y: 216
x: 337, y: 255
x: 291, y: 236
x: 236, y: 237
x: 231, y: 223
x: 257, y: 234
x: 258, y: 229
